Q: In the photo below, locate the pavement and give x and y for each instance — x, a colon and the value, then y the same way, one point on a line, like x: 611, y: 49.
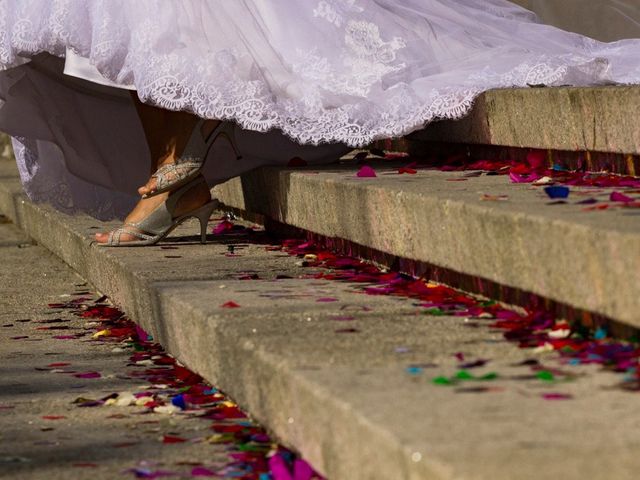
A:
x: 354, y: 382
x: 43, y: 433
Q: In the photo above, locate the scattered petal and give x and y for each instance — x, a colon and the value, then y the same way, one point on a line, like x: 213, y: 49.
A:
x: 172, y: 439
x: 230, y: 304
x: 557, y: 396
x: 87, y: 375
x: 620, y: 197
x: 366, y: 172
x: 557, y: 191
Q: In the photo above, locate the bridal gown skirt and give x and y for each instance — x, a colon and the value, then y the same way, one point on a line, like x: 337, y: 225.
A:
x: 305, y: 79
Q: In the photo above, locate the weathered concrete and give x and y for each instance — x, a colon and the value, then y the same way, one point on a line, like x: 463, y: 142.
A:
x: 588, y: 260
x: 35, y: 448
x: 345, y: 400
x: 565, y: 118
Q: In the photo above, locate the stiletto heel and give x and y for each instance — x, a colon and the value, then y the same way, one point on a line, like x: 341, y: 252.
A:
x: 161, y: 221
x: 189, y: 165
x: 203, y: 214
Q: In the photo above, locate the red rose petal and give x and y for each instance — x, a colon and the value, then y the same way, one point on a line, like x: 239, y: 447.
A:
x: 172, y: 439
x: 230, y: 304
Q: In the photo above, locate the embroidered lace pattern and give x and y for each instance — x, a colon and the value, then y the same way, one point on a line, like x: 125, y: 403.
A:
x: 366, y: 89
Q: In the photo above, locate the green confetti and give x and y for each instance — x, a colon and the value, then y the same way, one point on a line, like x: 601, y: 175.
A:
x: 464, y: 375
x: 442, y: 381
x: 545, y: 376
x: 489, y: 376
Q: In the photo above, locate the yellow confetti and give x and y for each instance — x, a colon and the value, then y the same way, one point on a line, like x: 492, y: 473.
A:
x: 101, y: 333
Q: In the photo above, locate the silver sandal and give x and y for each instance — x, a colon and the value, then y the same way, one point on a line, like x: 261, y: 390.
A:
x: 161, y: 222
x: 190, y: 163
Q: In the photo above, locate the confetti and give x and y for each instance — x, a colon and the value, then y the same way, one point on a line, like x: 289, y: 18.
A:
x: 366, y: 172
x: 557, y: 191
x: 230, y: 304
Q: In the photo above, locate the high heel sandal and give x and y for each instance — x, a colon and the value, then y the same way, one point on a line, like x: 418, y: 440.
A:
x: 161, y: 222
x: 189, y: 164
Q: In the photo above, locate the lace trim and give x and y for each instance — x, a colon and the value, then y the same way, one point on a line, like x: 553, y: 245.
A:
x: 330, y: 101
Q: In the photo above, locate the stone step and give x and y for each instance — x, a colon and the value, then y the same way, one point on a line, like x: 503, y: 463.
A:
x: 355, y: 397
x: 595, y: 119
x: 441, y: 223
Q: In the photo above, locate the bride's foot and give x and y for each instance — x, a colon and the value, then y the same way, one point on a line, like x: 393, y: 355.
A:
x: 194, y: 198
x: 182, y: 160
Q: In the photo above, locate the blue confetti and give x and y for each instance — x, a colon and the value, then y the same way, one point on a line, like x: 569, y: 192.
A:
x: 600, y: 334
x: 179, y: 402
x: 414, y: 370
x: 557, y: 191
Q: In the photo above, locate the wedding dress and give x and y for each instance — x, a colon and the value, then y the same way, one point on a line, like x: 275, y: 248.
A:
x: 300, y: 78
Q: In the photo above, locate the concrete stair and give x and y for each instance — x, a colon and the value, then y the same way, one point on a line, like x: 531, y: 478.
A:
x: 441, y: 223
x: 596, y: 119
x: 356, y: 398
x: 350, y: 398
x: 590, y: 128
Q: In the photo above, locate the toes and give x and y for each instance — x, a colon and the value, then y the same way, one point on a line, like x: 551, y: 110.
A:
x: 148, y: 188
x: 102, y: 237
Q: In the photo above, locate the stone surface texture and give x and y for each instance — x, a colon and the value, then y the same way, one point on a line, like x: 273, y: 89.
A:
x: 564, y: 118
x: 588, y: 260
x: 345, y: 400
x: 86, y: 444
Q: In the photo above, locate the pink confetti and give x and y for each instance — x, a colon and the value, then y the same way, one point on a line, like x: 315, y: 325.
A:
x: 366, y: 172
x: 88, y: 375
x: 516, y: 178
x: 142, y: 334
x: 279, y: 469
x: 202, y: 472
x: 620, y: 197
x: 223, y: 227
x: 302, y: 470
x: 557, y: 396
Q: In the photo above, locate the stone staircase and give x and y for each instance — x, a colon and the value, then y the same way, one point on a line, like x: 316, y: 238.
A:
x: 370, y: 386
